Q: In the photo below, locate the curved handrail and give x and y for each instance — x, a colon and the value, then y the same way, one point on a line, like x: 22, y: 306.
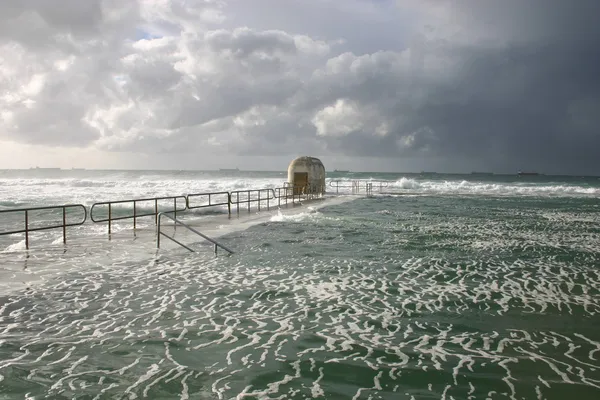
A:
x: 64, y: 207
x: 135, y: 215
x: 64, y: 224
x: 134, y: 201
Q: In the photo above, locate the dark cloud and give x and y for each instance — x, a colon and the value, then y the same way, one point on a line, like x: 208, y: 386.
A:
x: 468, y: 85
x: 528, y: 102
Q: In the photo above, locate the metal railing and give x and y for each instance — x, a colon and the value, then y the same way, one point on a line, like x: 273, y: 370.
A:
x: 251, y: 196
x: 63, y: 225
x: 209, y: 200
x: 288, y: 192
x: 270, y: 196
x: 176, y: 221
x: 135, y: 215
x: 296, y: 193
x: 358, y: 185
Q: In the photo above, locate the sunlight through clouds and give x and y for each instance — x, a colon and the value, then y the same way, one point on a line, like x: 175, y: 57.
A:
x: 489, y: 83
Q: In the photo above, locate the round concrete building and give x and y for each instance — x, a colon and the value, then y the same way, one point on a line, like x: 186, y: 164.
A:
x: 307, y: 175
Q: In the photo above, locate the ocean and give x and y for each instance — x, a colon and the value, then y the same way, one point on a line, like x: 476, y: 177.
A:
x: 435, y: 287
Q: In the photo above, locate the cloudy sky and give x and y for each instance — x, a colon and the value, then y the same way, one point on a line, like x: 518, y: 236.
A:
x: 376, y: 85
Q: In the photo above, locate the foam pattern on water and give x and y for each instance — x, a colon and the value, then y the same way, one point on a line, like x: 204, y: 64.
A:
x: 375, y: 299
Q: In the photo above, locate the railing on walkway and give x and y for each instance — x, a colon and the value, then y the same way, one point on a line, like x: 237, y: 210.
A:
x: 358, y: 186
x: 108, y: 211
x: 205, y: 200
x: 62, y: 225
x: 284, y: 193
x: 240, y: 198
x: 176, y: 221
x: 135, y: 202
x: 248, y: 197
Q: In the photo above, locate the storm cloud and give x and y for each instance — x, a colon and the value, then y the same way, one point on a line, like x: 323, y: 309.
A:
x: 482, y: 85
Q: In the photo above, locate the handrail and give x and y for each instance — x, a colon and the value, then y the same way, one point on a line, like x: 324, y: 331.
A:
x: 248, y: 199
x: 293, y: 192
x: 232, y: 198
x: 210, y: 198
x: 337, y: 183
x: 356, y: 185
x: 64, y: 224
x: 135, y: 215
x: 160, y: 215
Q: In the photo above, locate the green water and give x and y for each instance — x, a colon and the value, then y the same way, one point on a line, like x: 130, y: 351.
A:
x: 392, y: 297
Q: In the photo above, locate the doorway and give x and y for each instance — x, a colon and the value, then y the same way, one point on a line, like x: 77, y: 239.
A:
x: 300, y: 182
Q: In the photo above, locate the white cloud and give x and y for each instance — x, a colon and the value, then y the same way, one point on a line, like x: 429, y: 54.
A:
x: 346, y: 116
x: 268, y: 77
x: 339, y: 119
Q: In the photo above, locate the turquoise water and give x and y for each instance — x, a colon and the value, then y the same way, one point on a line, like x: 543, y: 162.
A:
x: 451, y: 287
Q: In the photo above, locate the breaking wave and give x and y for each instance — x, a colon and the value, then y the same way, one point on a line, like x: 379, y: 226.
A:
x: 481, y: 188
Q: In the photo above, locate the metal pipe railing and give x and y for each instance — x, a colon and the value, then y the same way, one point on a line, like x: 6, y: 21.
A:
x: 208, y: 200
x: 357, y: 185
x: 135, y: 215
x: 176, y: 221
x: 63, y: 225
x: 211, y: 199
x: 251, y: 196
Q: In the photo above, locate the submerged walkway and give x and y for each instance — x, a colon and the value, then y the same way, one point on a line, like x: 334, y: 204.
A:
x: 92, y: 246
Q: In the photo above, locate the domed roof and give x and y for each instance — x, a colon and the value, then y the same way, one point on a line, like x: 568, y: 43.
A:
x: 305, y: 160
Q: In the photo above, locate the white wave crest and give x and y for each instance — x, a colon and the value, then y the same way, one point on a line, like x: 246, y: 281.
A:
x: 311, y: 214
x: 408, y: 185
x: 19, y: 246
x: 405, y: 183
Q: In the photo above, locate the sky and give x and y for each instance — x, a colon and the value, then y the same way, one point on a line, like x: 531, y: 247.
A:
x: 365, y: 85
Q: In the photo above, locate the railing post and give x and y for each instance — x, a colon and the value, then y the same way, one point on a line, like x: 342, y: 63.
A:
x: 259, y: 200
x: 155, y: 211
x: 268, y: 197
x: 175, y: 211
x: 109, y: 217
x: 158, y: 235
x: 229, y: 204
x: 64, y: 225
x: 26, y: 230
x: 134, y: 215
x: 248, y: 200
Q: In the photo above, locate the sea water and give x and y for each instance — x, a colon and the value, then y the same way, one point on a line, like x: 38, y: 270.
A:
x: 441, y: 287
